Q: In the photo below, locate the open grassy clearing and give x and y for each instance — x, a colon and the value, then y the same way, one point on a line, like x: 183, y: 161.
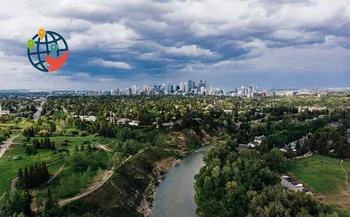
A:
x: 324, y: 175
x: 9, y: 166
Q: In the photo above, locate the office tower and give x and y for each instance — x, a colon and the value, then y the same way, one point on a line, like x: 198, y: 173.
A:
x: 205, y: 84
x: 250, y: 91
x: 202, y: 89
x: 128, y: 91
x: 254, y: 88
x: 193, y: 85
x: 133, y: 89
x: 168, y: 87
x: 174, y: 88
x: 113, y: 92
x: 177, y: 88
x: 118, y: 92
x: 243, y: 91
x: 163, y: 87
x: 145, y: 87
x: 211, y: 88
x: 189, y: 85
x: 200, y: 84
x: 100, y: 92
x: 182, y: 86
x: 186, y: 87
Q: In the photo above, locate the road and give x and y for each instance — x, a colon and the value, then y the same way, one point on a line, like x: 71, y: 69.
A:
x: 40, y: 109
x: 6, y: 145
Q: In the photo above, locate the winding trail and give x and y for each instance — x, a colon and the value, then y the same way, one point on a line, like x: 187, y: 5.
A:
x: 13, y: 183
x: 104, y: 147
x: 346, y: 174
x: 4, y: 147
x: 56, y: 174
x: 105, y: 177
x: 102, y: 180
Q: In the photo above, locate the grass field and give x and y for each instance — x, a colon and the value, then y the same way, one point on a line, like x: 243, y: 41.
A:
x: 324, y: 175
x: 9, y: 166
x: 69, y: 182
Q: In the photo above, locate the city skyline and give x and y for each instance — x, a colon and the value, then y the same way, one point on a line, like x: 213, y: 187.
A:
x: 227, y: 42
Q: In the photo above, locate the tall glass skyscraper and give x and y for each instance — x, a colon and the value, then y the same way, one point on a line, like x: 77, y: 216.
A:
x: 189, y: 87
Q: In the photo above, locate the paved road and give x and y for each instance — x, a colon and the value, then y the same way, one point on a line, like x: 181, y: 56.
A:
x: 40, y: 109
x: 6, y: 145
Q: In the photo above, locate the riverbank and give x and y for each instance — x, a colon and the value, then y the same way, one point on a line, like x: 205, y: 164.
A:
x: 160, y: 169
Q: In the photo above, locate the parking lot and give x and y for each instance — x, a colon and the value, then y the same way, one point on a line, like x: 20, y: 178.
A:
x: 292, y: 184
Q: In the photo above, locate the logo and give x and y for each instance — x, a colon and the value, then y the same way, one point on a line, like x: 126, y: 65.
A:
x: 47, y: 51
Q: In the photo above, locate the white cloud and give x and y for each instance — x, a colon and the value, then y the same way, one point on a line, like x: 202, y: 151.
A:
x: 109, y: 64
x: 226, y: 36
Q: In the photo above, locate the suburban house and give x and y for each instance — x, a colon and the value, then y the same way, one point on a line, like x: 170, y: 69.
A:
x: 4, y: 112
x: 170, y: 124
x: 257, y: 141
x: 134, y: 123
x: 123, y: 121
x: 87, y: 118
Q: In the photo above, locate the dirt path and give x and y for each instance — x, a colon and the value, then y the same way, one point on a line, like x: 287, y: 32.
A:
x: 346, y: 174
x: 13, y: 183
x: 104, y: 147
x: 104, y: 178
x: 4, y: 147
x: 56, y: 174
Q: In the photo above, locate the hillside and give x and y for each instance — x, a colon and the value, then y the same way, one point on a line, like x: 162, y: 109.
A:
x: 123, y: 194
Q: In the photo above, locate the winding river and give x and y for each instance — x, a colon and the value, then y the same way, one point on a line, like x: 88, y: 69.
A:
x: 175, y: 194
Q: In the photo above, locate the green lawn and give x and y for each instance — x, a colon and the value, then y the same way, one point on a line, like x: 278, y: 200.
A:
x: 322, y: 173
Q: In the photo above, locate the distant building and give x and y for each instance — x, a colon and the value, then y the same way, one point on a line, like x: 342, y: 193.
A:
x: 123, y: 121
x: 322, y: 95
x: 186, y: 87
x: 113, y: 92
x: 133, y: 89
x: 257, y: 141
x: 134, y: 123
x: 182, y: 86
x: 87, y: 118
x: 4, y: 112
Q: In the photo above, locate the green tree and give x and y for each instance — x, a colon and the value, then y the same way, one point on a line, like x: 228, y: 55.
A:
x: 276, y: 160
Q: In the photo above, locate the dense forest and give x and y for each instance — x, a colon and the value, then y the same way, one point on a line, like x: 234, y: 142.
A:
x: 246, y: 183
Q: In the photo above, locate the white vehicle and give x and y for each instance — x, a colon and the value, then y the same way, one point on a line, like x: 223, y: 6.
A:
x: 299, y: 185
x: 285, y: 177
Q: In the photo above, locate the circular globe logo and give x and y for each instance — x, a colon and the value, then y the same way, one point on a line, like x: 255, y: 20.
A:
x: 47, y: 51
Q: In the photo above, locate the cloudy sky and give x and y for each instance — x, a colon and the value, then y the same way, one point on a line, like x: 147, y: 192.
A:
x: 272, y: 43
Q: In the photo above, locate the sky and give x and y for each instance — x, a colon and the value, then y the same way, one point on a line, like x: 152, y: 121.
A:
x: 230, y: 43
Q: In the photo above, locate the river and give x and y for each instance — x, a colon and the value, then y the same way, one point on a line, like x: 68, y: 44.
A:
x: 175, y: 194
